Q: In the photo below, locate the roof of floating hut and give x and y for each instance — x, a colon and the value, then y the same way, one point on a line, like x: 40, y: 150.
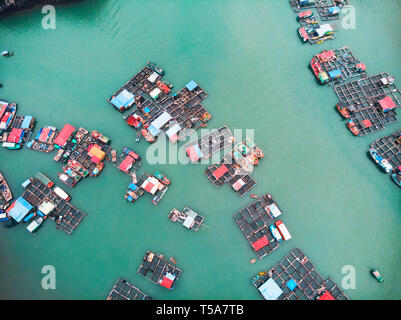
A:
x: 219, y: 172
x: 64, y: 135
x: 326, y: 296
x: 173, y: 130
x: 153, y: 77
x: 167, y: 280
x: 323, y: 29
x: 159, y: 122
x: 366, y: 123
x: 19, y: 209
x: 270, y: 290
x: 387, y: 103
x: 123, y: 100
x: 26, y: 123
x: 126, y: 164
x: 191, y: 85
x: 15, y: 135
x: 238, y: 184
x: 335, y: 73
x: 259, y: 244
x: 326, y: 55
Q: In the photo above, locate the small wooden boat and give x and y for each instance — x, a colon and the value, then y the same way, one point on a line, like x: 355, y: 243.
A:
x: 58, y: 155
x: 172, y: 260
x: 254, y: 196
x: 343, y: 110
x: 352, y: 127
x: 162, y: 178
x: 5, y: 189
x: 67, y: 180
x: 113, y: 156
x: 253, y: 261
x: 376, y: 274
x: 138, y: 137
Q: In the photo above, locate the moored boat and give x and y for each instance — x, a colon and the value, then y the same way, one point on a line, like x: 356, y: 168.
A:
x: 318, y: 71
x: 68, y: 171
x: 7, y: 114
x: 276, y: 234
x: 67, y: 180
x: 113, y: 155
x: 383, y: 163
x: 35, y: 224
x: 162, y: 178
x: 283, y: 230
x: 396, y: 178
x: 352, y: 127
x: 343, y: 110
x: 138, y: 137
x: 156, y: 68
x: 58, y: 155
x: 78, y: 168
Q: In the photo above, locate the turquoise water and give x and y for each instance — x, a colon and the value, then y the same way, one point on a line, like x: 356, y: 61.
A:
x: 340, y: 209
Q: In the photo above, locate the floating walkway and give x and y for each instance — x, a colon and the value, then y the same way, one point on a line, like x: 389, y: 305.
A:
x: 369, y: 103
x: 187, y: 217
x: 209, y: 144
x: 336, y: 66
x: 123, y: 290
x: 256, y: 223
x: 295, y: 278
x: 156, y: 268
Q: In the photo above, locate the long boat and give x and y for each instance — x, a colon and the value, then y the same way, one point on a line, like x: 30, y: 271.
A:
x: 5, y: 189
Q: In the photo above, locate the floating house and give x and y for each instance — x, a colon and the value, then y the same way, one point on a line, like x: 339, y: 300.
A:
x: 63, y: 136
x: 128, y: 162
x: 295, y: 278
x: 44, y: 140
x: 189, y: 218
x: 157, y: 269
x: 123, y: 290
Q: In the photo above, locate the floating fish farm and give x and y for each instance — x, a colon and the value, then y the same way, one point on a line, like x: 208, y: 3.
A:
x: 256, y: 222
x: 156, y: 268
x: 155, y: 111
x: 189, y: 218
x: 369, y: 103
x: 295, y: 278
x: 123, y: 290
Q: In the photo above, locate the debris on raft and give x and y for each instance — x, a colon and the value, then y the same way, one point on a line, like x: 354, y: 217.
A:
x: 187, y: 217
x: 44, y: 140
x: 155, y: 268
x: 368, y: 103
x: 123, y: 290
x: 295, y: 278
x: 256, y: 222
x: 15, y: 130
x: 42, y: 199
x: 335, y: 66
x: 156, y: 185
x: 155, y: 111
x: 82, y: 152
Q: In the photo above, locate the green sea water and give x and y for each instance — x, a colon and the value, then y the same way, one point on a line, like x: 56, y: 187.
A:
x: 340, y: 209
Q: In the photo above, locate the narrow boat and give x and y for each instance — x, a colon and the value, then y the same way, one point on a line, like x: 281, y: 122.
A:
x: 318, y: 71
x: 113, y: 156
x: 343, y: 110
x: 163, y: 87
x: 148, y: 137
x: 78, y: 168
x: 138, y: 137
x: 254, y: 196
x: 7, y: 114
x: 155, y: 67
x: 5, y: 189
x: 67, y: 180
x: 68, y: 171
x: 162, y: 178
x: 283, y: 230
x: 383, y: 163
x: 58, y: 155
x: 352, y: 126
x: 303, y: 34
x: 276, y: 234
x: 98, y: 169
x: 44, y: 179
x: 62, y: 194
x: 35, y: 224
x: 172, y: 260
x: 304, y: 15
x: 376, y: 274
x: 134, y: 177
x: 397, y: 179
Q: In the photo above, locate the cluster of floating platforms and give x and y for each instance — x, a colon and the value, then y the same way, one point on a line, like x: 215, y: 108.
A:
x: 256, y: 223
x: 189, y: 218
x: 369, y: 103
x: 128, y: 162
x: 295, y: 278
x: 157, y: 269
x: 83, y: 153
x: 336, y: 66
x: 15, y: 130
x: 328, y: 9
x: 123, y: 290
x: 209, y: 144
x: 155, y: 111
x: 42, y: 199
x: 156, y: 185
x: 386, y: 152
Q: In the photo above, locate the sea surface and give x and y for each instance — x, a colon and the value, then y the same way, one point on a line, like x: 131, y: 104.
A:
x: 339, y: 207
